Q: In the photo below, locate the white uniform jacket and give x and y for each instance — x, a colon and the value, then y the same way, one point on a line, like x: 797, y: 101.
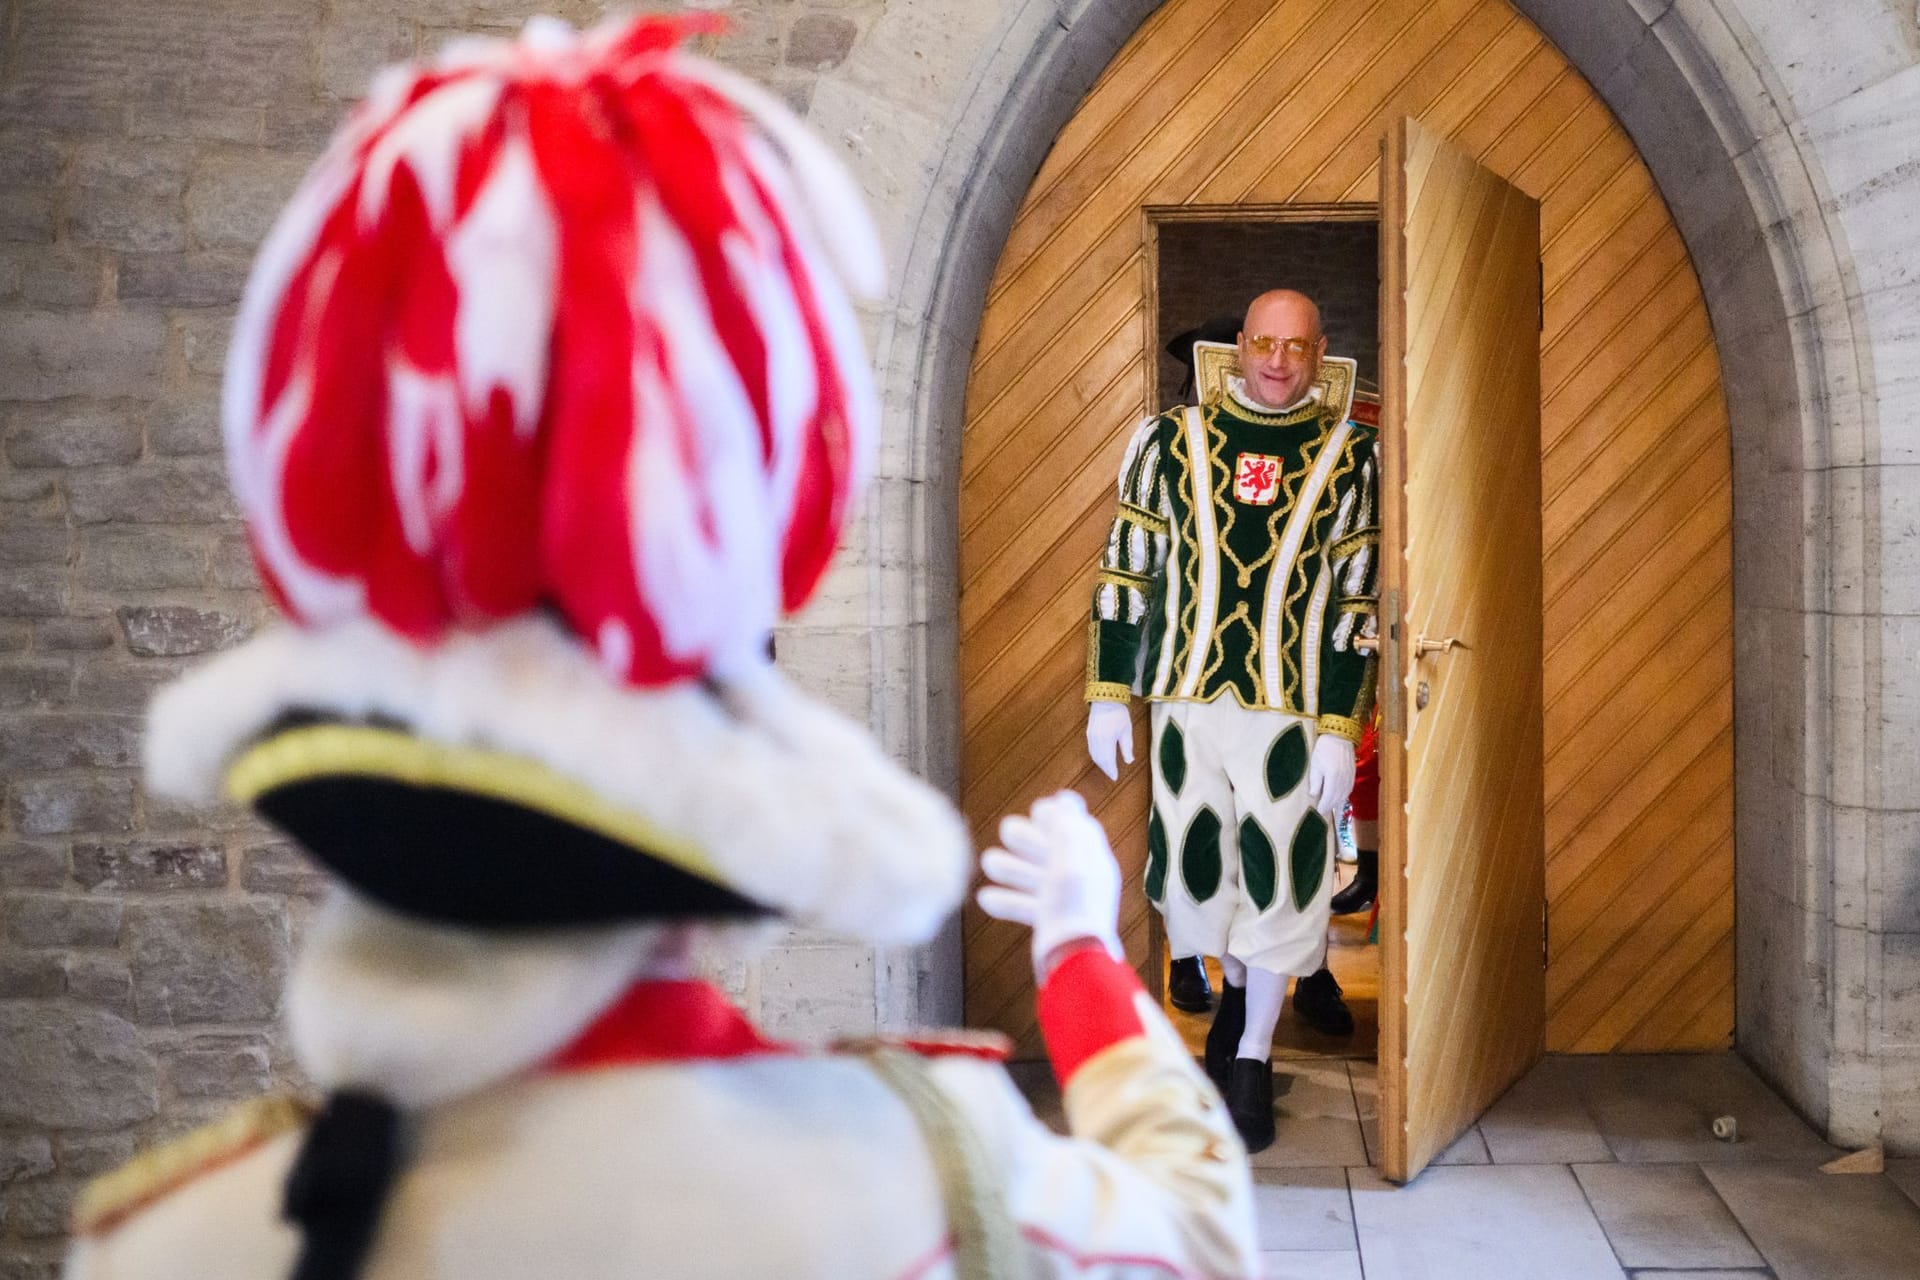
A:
x: 672, y: 1140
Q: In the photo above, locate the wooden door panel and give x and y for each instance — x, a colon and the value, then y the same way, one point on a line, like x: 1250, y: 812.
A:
x: 1462, y: 855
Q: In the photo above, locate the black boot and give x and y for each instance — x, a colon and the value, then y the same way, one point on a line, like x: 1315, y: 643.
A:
x: 1187, y: 987
x: 1250, y: 1102
x: 1358, y: 895
x: 1223, y: 1038
x: 1316, y: 998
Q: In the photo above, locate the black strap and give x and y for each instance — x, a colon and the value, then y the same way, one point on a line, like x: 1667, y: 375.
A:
x: 339, y: 1184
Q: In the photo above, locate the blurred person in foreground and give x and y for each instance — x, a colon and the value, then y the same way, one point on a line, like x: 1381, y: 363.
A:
x: 544, y: 404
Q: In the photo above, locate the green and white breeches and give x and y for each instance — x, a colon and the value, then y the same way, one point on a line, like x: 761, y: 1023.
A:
x: 1239, y: 862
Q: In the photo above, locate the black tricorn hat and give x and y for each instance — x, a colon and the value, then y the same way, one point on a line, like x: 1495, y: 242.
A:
x: 1180, y: 347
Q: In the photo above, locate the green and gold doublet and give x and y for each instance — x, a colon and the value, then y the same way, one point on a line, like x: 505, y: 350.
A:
x: 1242, y: 560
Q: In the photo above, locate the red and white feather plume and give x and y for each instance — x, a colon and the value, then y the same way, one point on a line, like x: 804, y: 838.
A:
x: 559, y: 323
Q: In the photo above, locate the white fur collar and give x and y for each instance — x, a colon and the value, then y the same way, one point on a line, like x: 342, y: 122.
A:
x: 795, y: 805
x: 420, y: 1014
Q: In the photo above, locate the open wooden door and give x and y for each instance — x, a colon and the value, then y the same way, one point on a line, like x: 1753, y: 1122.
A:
x: 1462, y: 886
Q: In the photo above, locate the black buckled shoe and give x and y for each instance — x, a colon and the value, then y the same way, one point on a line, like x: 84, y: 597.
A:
x: 1187, y: 987
x: 1316, y: 998
x: 1223, y: 1037
x: 1250, y: 1102
x: 1359, y: 893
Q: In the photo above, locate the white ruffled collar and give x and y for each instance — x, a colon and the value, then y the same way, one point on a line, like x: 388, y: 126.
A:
x: 1237, y: 392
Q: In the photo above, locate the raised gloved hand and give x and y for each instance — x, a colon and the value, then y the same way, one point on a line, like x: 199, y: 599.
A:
x: 1056, y: 874
x: 1330, y: 775
x: 1109, y: 733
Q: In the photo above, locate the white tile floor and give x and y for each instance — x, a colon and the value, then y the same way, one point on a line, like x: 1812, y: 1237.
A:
x: 1589, y: 1167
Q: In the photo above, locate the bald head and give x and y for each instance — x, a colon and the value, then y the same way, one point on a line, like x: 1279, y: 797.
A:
x: 1294, y: 313
x: 1280, y: 348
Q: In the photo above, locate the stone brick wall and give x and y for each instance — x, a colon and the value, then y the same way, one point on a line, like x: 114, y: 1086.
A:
x: 1809, y: 258
x: 144, y: 148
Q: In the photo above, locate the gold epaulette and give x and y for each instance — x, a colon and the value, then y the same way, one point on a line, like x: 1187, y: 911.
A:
x: 113, y: 1198
x: 945, y: 1042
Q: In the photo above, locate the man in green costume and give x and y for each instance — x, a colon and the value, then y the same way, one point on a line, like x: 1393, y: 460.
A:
x: 1237, y: 576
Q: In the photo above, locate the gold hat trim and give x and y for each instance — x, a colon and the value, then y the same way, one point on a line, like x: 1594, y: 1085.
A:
x: 316, y: 751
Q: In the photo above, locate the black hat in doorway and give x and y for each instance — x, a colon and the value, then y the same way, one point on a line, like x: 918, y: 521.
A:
x: 1180, y: 347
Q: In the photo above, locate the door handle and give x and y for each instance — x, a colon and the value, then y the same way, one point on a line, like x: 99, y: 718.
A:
x: 1423, y: 646
x: 1366, y: 644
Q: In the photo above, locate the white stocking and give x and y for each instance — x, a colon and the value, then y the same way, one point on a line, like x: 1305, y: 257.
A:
x: 1233, y: 971
x: 1265, y: 994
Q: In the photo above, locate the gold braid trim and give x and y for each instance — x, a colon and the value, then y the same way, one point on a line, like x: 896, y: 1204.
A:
x: 1186, y: 622
x: 986, y: 1239
x: 1289, y: 487
x: 113, y: 1198
x: 1340, y: 727
x: 1219, y: 649
x: 1122, y: 578
x: 1240, y: 409
x: 1363, y: 710
x: 1367, y: 537
x: 1292, y: 627
x: 1365, y: 606
x: 1146, y: 519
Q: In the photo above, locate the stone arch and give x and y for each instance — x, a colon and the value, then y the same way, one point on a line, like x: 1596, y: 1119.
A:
x: 1697, y: 97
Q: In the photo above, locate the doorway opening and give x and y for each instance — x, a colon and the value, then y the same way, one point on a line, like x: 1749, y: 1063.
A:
x: 1631, y: 587
x: 1204, y: 264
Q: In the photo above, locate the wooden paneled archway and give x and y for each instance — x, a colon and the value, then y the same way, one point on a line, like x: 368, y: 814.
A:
x: 1236, y: 101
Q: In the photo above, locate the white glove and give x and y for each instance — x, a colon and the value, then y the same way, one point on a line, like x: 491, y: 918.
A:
x: 1330, y: 775
x: 1056, y: 874
x: 1109, y: 730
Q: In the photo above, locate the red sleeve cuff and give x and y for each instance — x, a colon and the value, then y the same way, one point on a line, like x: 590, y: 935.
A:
x: 1085, y: 1006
